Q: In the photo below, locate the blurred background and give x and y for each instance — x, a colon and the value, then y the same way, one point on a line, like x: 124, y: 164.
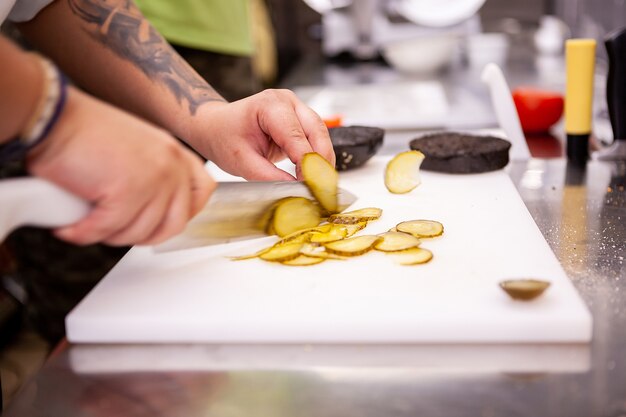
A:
x: 299, y: 28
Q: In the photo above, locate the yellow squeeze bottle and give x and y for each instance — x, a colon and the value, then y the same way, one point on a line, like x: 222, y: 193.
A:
x: 580, y: 62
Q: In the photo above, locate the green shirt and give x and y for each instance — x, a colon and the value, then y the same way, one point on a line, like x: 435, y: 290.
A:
x: 213, y: 25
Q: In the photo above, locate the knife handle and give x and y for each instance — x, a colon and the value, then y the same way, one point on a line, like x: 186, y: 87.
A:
x: 37, y: 202
x: 615, y: 43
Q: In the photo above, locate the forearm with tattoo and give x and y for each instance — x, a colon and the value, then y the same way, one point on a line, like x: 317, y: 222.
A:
x: 120, y: 27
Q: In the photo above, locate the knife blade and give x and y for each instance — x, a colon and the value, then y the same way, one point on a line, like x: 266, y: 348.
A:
x: 232, y: 212
x: 235, y: 210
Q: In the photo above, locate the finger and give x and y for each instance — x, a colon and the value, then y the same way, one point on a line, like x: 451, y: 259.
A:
x: 105, y: 219
x: 316, y: 131
x: 281, y: 123
x: 257, y: 168
x: 175, y: 219
x: 193, y: 197
x: 202, y: 185
x: 144, y: 223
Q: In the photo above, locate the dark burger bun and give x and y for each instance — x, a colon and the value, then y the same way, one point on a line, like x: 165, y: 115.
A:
x: 461, y: 153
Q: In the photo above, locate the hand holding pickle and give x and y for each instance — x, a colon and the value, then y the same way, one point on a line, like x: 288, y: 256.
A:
x: 246, y: 137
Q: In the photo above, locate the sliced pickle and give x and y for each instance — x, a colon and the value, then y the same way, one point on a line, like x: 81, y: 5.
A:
x: 355, y: 227
x: 524, y: 289
x: 421, y: 228
x: 314, y: 250
x: 265, y: 222
x: 283, y: 252
x: 337, y: 232
x: 353, y: 246
x: 293, y: 214
x: 303, y: 260
x: 321, y: 178
x: 397, y: 241
x: 297, y: 235
x: 356, y: 216
x: 403, y: 172
x: 412, y: 256
x: 250, y: 256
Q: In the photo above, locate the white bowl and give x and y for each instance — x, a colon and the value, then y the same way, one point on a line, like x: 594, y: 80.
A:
x: 483, y: 48
x: 423, y: 55
x: 438, y: 13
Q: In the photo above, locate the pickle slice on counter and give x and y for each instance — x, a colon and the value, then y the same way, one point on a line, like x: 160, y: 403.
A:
x: 402, y: 173
x: 413, y: 256
x: 421, y: 228
x: 282, y: 253
x: 250, y: 256
x: 353, y: 246
x: 356, y: 216
x: 336, y: 232
x: 524, y: 289
x: 304, y: 235
x: 293, y: 214
x: 265, y: 222
x: 322, y: 180
x: 355, y: 227
x: 396, y: 241
x: 303, y: 260
x: 314, y: 250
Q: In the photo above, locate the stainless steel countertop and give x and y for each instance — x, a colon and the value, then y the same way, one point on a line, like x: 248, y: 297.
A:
x: 582, y: 214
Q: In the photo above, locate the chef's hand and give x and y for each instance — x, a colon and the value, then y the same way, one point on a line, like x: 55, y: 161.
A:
x: 246, y: 137
x: 144, y: 186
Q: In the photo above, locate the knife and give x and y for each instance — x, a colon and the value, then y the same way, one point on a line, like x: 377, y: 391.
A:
x: 232, y: 212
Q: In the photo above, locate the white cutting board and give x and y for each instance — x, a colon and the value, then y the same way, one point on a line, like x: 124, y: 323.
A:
x: 199, y: 295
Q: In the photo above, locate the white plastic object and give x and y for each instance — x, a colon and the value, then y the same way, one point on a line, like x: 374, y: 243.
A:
x: 438, y: 13
x: 324, y: 6
x: 37, y: 202
x: 550, y: 37
x: 506, y: 112
x: 484, y: 48
x: 421, y: 55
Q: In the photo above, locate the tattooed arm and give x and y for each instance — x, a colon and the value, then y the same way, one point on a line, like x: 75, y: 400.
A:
x: 108, y: 48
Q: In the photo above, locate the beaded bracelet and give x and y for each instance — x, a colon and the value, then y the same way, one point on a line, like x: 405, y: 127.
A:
x: 44, y: 117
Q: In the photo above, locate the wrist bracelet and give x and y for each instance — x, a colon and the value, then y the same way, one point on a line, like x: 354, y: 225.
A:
x: 44, y: 117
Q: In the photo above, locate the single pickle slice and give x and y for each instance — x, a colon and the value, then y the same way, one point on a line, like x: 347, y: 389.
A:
x: 355, y: 227
x: 421, y: 228
x: 402, y: 173
x: 250, y: 256
x: 353, y: 246
x: 413, y: 256
x: 303, y: 260
x: 315, y: 250
x: 322, y: 180
x: 336, y: 232
x: 282, y: 253
x: 524, y: 289
x: 293, y: 214
x: 356, y: 216
x: 396, y: 241
x: 305, y: 232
